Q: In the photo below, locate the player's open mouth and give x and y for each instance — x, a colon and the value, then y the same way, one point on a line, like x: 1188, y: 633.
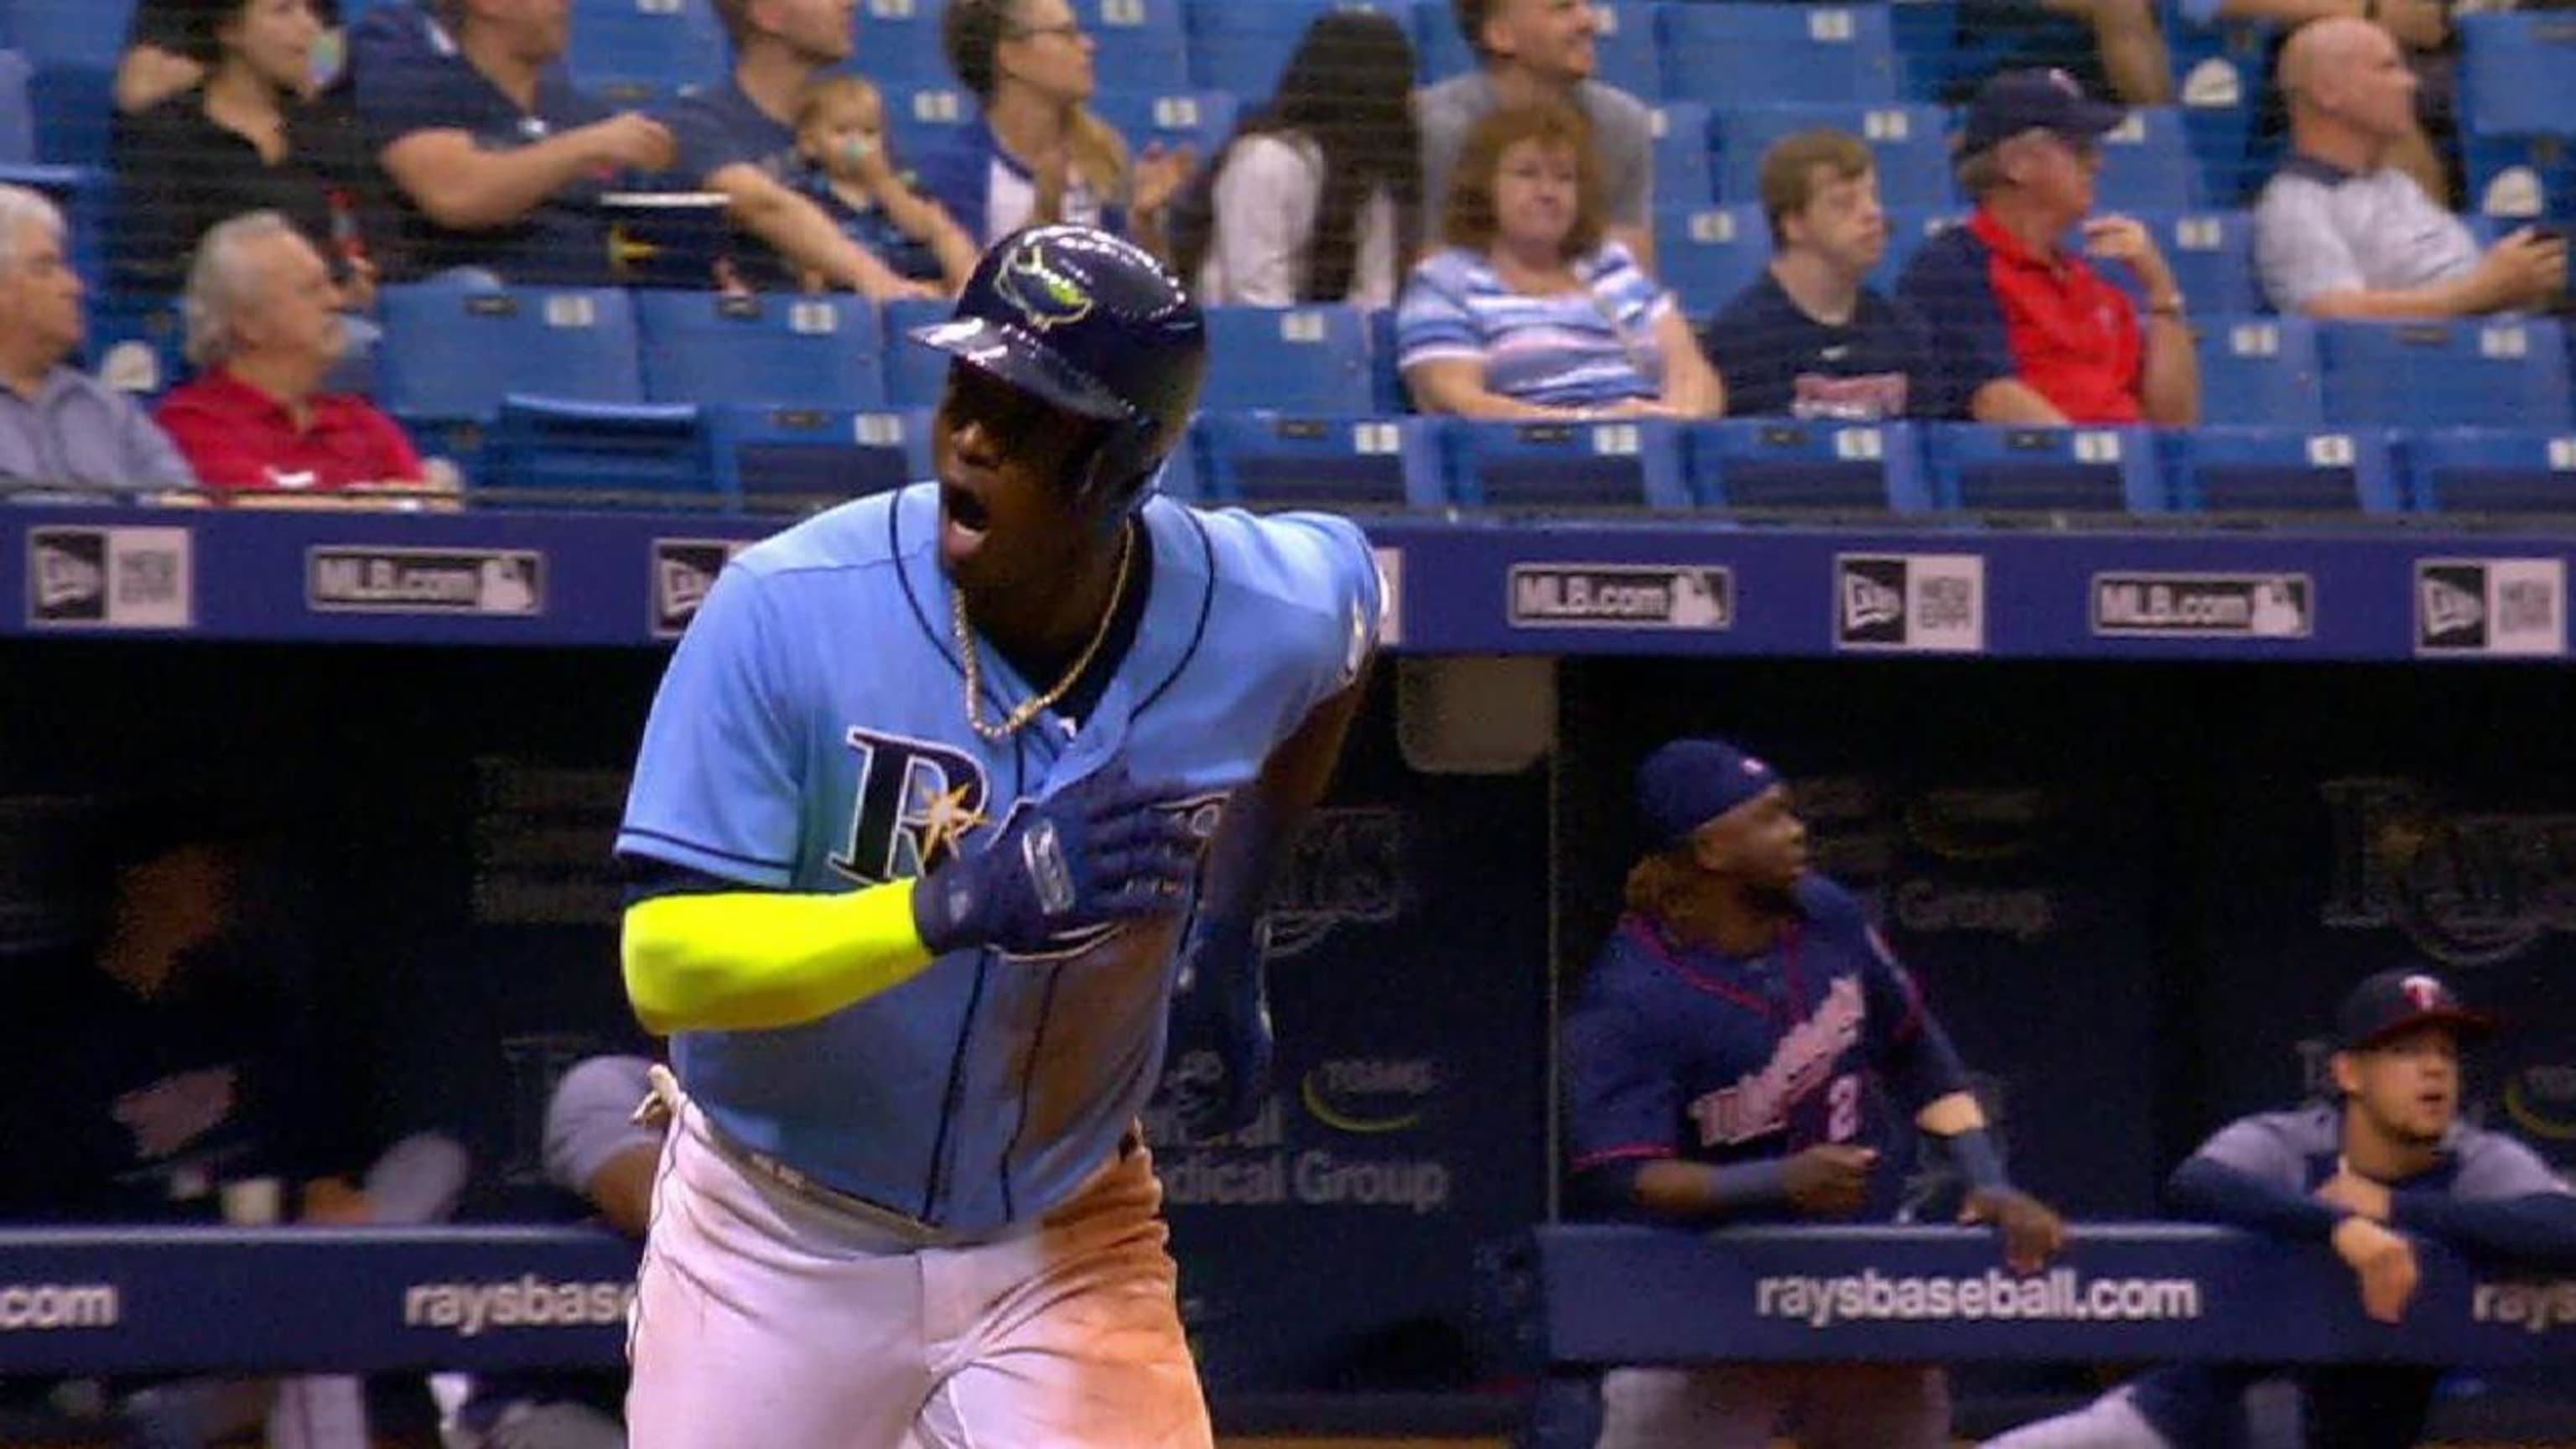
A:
x: 963, y: 510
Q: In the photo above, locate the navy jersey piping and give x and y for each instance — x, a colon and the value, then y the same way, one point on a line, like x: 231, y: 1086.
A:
x: 1198, y: 630
x: 1028, y: 1069
x: 937, y: 1183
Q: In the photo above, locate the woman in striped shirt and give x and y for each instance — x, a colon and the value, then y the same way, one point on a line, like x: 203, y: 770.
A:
x: 1529, y: 312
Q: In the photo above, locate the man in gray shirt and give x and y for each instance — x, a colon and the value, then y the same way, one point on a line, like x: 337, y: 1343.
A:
x: 1530, y: 49
x: 2340, y: 232
x: 2389, y: 1163
x: 60, y: 429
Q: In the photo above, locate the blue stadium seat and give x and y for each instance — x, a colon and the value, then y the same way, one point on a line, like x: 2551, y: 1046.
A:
x: 70, y: 32
x: 453, y: 352
x: 1907, y: 231
x: 2260, y: 371
x: 915, y: 374
x: 136, y: 344
x: 2222, y: 70
x: 1684, y: 178
x: 1144, y: 46
x: 802, y: 458
x: 1932, y: 62
x: 632, y: 52
x: 553, y: 451
x: 2498, y: 373
x: 1783, y: 463
x: 1387, y: 393
x: 1200, y: 119
x: 1755, y: 53
x: 2515, y: 70
x: 1241, y: 45
x: 1287, y: 359
x: 1910, y: 142
x: 2481, y: 470
x: 898, y: 44
x: 75, y: 108
x: 2147, y: 164
x: 1439, y: 50
x: 2520, y: 179
x: 1985, y: 469
x: 1288, y: 459
x: 2283, y: 470
x: 772, y: 350
x: 1708, y: 255
x: 1569, y: 465
x: 1627, y: 47
x: 17, y: 115
x: 922, y: 117
x: 2212, y: 255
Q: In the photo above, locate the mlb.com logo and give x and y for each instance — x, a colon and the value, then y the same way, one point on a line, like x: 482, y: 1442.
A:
x: 1927, y: 602
x: 2500, y: 606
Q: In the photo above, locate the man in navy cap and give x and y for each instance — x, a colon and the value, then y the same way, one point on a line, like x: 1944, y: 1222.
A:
x: 2388, y: 1161
x: 2024, y: 330
x: 1717, y: 1066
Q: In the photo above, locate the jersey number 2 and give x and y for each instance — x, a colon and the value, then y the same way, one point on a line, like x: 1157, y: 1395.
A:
x: 1842, y: 1108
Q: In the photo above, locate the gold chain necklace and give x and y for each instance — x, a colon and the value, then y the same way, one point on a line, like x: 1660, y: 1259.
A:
x: 1029, y: 708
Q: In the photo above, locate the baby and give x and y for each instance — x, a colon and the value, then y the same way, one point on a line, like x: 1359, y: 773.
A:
x: 840, y: 133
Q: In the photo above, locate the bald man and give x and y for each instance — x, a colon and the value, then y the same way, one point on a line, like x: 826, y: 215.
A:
x: 2340, y: 232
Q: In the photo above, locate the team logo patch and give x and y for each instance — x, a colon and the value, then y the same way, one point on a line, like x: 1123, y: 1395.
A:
x: 1046, y: 296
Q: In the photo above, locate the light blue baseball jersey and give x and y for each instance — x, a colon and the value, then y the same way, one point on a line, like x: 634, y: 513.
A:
x: 810, y: 735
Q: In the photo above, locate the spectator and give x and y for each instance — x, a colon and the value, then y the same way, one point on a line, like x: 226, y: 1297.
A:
x: 1531, y: 50
x: 2024, y: 331
x: 2423, y: 33
x: 249, y: 138
x: 2385, y: 1162
x: 1810, y: 339
x: 58, y: 426
x: 255, y: 422
x: 499, y: 160
x: 1318, y: 196
x: 1039, y: 153
x: 852, y: 174
x: 160, y: 61
x: 2128, y: 55
x: 2341, y: 232
x: 1531, y: 312
x: 740, y: 140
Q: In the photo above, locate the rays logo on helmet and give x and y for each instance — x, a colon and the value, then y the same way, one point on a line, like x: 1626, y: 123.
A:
x: 1046, y: 296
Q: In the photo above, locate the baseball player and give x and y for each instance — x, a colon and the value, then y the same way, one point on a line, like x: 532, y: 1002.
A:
x: 1716, y: 1064
x: 2390, y: 1162
x: 924, y: 813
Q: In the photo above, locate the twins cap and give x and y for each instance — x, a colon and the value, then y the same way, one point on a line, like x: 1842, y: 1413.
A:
x: 1688, y: 783
x: 2015, y: 101
x: 2396, y: 1001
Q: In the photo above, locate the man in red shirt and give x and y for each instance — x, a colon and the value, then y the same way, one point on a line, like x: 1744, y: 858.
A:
x: 264, y: 329
x: 2024, y: 330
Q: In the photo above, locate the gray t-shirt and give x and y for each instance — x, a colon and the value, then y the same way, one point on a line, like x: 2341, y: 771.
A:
x: 591, y: 1118
x: 2320, y: 229
x: 79, y: 432
x: 1622, y: 142
x: 2282, y: 1149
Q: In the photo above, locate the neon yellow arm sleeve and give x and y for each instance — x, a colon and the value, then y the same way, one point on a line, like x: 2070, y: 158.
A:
x: 757, y: 960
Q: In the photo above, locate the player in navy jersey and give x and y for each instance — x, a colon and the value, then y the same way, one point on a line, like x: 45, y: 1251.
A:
x: 949, y: 796
x: 2389, y: 1163
x: 1717, y: 1066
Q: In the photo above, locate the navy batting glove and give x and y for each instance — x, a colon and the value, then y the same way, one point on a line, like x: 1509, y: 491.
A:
x: 1097, y: 852
x: 1221, y: 1006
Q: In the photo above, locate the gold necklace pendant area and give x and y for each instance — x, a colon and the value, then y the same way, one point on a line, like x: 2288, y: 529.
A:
x: 1030, y: 708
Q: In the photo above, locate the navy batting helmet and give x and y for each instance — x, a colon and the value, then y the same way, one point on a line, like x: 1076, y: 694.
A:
x: 1095, y: 326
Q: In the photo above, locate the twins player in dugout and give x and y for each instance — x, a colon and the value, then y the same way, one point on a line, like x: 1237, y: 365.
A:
x: 1716, y: 1064
x: 948, y: 797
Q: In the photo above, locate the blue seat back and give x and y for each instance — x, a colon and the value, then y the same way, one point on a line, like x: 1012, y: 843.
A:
x: 1685, y: 177
x: 1564, y: 466
x: 2147, y: 164
x: 630, y: 51
x: 2284, y: 470
x: 2515, y: 69
x: 454, y: 352
x: 1290, y: 460
x: 1752, y: 53
x: 1984, y: 469
x: 1709, y: 254
x: 775, y: 349
x: 2258, y: 370
x: 1909, y: 142
x: 2477, y: 470
x: 1784, y: 463
x: 1312, y: 359
x: 806, y: 458
x: 2491, y: 373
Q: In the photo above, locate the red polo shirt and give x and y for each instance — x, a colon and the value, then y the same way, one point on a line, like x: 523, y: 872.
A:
x: 238, y: 437
x: 1997, y: 309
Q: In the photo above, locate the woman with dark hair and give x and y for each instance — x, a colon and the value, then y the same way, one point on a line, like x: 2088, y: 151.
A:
x: 250, y: 137
x: 1317, y: 197
x: 1039, y: 153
